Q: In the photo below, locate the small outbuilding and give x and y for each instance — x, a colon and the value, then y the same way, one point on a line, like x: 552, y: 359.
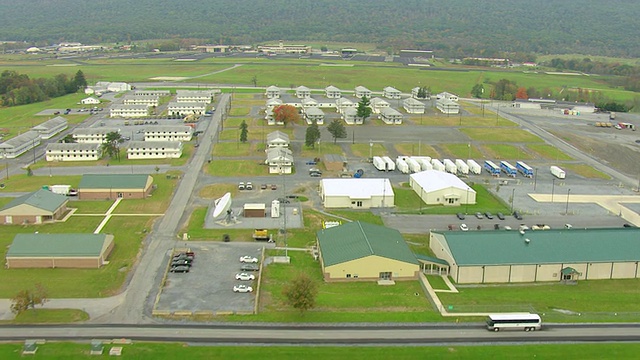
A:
x: 356, y: 193
x: 363, y: 251
x: 34, y: 208
x: 59, y: 251
x: 113, y: 186
x: 257, y: 210
x: 438, y: 187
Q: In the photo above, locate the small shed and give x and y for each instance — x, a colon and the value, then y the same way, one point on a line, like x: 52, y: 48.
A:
x: 255, y: 210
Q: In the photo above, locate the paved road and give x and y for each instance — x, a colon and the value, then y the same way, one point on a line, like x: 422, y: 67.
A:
x: 141, y: 291
x: 327, y: 334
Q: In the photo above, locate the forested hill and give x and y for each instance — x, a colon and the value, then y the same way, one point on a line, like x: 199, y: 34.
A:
x: 458, y: 26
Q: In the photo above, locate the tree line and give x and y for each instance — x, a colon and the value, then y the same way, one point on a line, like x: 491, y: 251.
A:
x: 19, y: 89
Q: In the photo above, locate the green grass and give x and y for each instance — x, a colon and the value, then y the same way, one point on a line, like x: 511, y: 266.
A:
x: 157, y: 203
x: 50, y: 316
x: 437, y: 282
x: 22, y: 182
x: 235, y: 149
x: 462, y: 151
x: 505, y: 152
x: 496, y: 135
x: 407, y: 200
x: 549, y: 152
x: 358, y: 215
x: 235, y: 122
x: 237, y: 168
x: 363, y: 150
x: 239, y: 111
x: 322, y: 149
x: 234, y: 134
x: 418, y: 243
x: 593, y: 296
x: 161, y: 351
x: 485, y: 201
x: 417, y: 149
x: 90, y: 207
x: 585, y: 171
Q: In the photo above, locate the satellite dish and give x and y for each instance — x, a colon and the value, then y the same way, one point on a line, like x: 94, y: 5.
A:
x: 221, y: 205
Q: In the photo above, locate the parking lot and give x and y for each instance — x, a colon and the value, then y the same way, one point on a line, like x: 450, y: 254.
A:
x: 209, y: 284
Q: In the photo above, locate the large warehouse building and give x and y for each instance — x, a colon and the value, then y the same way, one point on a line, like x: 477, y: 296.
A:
x: 543, y: 255
x: 438, y: 187
x: 356, y: 193
x: 362, y: 251
x: 59, y: 250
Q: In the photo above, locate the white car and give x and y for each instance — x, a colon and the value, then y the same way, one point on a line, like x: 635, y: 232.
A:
x: 242, y: 289
x: 248, y: 259
x: 464, y: 227
x: 245, y: 276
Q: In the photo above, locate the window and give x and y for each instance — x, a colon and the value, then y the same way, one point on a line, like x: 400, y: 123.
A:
x: 385, y: 275
x: 358, y: 203
x: 348, y: 276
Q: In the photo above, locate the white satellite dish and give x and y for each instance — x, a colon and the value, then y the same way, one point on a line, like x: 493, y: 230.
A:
x: 221, y: 205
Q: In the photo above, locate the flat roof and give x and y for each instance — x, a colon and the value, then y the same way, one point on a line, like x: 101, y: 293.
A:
x: 433, y: 180
x: 357, y: 188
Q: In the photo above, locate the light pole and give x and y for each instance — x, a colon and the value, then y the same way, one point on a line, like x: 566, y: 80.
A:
x: 466, y: 205
x: 371, y: 149
x: 535, y: 178
x: 513, y: 195
x: 566, y: 210
x: 284, y: 204
x: 553, y: 186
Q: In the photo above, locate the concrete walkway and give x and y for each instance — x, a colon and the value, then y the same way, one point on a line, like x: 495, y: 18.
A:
x: 107, y: 216
x: 431, y: 292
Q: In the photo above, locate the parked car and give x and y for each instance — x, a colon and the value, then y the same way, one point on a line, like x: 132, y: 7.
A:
x: 517, y: 215
x: 500, y: 216
x: 283, y: 200
x: 464, y: 227
x: 507, y: 228
x: 248, y: 259
x: 180, y: 269
x: 315, y: 174
x: 182, y: 256
x: 488, y: 215
x: 249, y: 267
x: 274, y: 187
x: 263, y: 187
x: 249, y: 186
x: 242, y: 289
x: 245, y: 276
x: 181, y: 262
x: 460, y: 216
x: 241, y: 186
x: 479, y: 215
x: 226, y: 238
x: 496, y: 226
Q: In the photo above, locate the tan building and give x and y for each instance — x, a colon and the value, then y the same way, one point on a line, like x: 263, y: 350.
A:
x: 438, y: 187
x: 113, y: 186
x: 542, y: 255
x: 59, y: 251
x: 356, y: 193
x: 34, y: 208
x: 362, y: 251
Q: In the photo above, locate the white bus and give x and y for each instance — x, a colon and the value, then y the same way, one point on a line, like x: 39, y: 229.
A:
x: 525, y: 321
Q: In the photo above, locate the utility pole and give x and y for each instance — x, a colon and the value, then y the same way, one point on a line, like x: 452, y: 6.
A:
x: 566, y: 210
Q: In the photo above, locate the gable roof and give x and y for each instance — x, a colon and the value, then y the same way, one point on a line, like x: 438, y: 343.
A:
x: 19, y: 140
x: 277, y: 135
x: 73, y: 146
x: 51, y: 124
x: 433, y: 180
x: 331, y: 88
x: 113, y: 181
x: 59, y: 245
x: 357, y: 240
x: 41, y: 199
x: 544, y: 246
x: 361, y: 88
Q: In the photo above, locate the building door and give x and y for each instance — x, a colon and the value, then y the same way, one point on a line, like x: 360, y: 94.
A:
x: 385, y: 275
x: 120, y: 195
x: 8, y: 219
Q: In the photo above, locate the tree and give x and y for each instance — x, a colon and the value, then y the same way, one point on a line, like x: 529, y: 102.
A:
x: 363, y: 111
x: 424, y: 92
x: 312, y: 136
x: 301, y: 292
x: 110, y: 145
x: 477, y: 90
x: 254, y: 80
x: 286, y: 114
x: 522, y: 93
x: 69, y: 139
x: 244, y: 132
x: 337, y: 130
x: 79, y: 82
x: 26, y: 299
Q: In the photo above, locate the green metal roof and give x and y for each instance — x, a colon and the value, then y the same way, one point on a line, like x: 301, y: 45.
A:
x: 57, y: 245
x: 41, y: 199
x: 544, y: 246
x: 431, y: 259
x: 356, y: 240
x: 113, y: 181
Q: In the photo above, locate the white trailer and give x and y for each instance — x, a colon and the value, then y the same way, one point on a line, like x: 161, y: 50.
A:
x: 437, y: 165
x: 424, y: 161
x: 379, y: 163
x: 474, y: 167
x: 414, y: 166
x: 402, y: 166
x: 60, y: 189
x: 390, y: 164
x: 463, y: 168
x: 557, y: 172
x: 450, y: 166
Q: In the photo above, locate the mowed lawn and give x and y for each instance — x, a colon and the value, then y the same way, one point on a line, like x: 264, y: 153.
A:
x: 497, y: 135
x: 593, y: 296
x: 157, y: 203
x: 237, y: 168
x: 462, y: 151
x: 505, y: 152
x: 22, y: 182
x: 549, y: 152
x: 417, y: 149
x: 364, y: 150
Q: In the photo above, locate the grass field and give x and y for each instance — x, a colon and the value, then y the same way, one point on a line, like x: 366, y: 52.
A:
x: 50, y: 316
x: 161, y: 351
x: 505, y: 152
x: 322, y: 149
x: 218, y: 190
x: 406, y: 200
x: 586, y: 171
x: 22, y: 182
x: 157, y: 203
x: 461, y: 151
x: 90, y: 207
x: 485, y: 201
x: 417, y: 149
x: 237, y: 168
x: 593, y: 296
x: 497, y: 135
x: 549, y: 152
x: 237, y: 149
x: 363, y: 150
x: 239, y: 111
